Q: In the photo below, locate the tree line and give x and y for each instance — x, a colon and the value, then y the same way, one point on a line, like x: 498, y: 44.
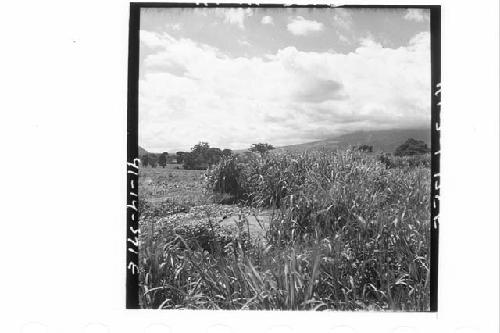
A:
x: 200, y: 157
x: 203, y: 156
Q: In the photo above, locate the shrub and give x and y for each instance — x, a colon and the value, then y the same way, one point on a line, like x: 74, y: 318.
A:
x: 162, y: 160
x: 261, y: 148
x: 201, y: 157
x: 365, y: 148
x: 408, y: 162
x: 226, y: 177
x: 412, y: 147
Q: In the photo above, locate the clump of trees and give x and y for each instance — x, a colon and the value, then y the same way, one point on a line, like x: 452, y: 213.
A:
x: 261, y: 148
x: 163, y: 159
x: 149, y: 159
x: 153, y: 160
x: 365, y: 148
x: 412, y: 147
x: 180, y: 156
x: 202, y: 156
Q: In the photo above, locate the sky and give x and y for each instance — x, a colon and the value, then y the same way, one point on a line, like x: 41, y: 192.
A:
x: 237, y: 76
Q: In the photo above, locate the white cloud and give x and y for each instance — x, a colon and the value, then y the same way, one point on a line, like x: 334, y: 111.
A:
x: 244, y: 42
x: 234, y: 16
x: 417, y: 15
x: 301, y: 27
x: 342, y: 18
x: 190, y: 92
x: 174, y: 27
x: 267, y: 20
x: 151, y: 39
x: 342, y: 37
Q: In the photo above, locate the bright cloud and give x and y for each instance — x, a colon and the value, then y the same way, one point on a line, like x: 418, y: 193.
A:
x: 173, y: 26
x: 244, y: 42
x: 342, y: 18
x: 267, y: 20
x: 301, y: 27
x: 417, y: 15
x: 235, y: 16
x: 190, y: 91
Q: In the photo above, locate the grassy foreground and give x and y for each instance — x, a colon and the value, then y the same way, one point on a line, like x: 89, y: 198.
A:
x: 312, y: 231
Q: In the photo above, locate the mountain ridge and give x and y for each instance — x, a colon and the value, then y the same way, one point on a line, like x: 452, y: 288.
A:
x: 381, y: 140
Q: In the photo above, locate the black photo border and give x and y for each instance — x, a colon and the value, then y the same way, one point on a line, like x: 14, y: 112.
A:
x: 132, y: 245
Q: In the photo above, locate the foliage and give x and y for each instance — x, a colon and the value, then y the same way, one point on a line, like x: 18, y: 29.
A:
x: 153, y: 160
x: 346, y: 233
x: 162, y: 160
x: 261, y: 148
x: 149, y: 159
x: 365, y: 148
x: 412, y: 147
x: 180, y: 156
x: 201, y: 157
x: 405, y: 162
x: 144, y: 160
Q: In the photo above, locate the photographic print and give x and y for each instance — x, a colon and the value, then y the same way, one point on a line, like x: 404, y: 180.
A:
x: 283, y: 158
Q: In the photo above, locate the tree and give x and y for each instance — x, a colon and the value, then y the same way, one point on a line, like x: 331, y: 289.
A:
x: 213, y: 156
x: 153, y: 160
x: 197, y: 159
x: 201, y: 157
x: 200, y: 147
x: 180, y: 156
x: 412, y: 147
x: 365, y: 148
x: 162, y: 160
x: 261, y: 148
x: 145, y: 160
x: 227, y: 152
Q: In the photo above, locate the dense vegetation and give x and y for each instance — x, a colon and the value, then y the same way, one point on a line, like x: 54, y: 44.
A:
x: 346, y: 230
x: 412, y: 147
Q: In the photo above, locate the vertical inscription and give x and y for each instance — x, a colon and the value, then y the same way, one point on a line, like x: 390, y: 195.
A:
x: 435, y: 29
x: 132, y: 229
x: 436, y: 156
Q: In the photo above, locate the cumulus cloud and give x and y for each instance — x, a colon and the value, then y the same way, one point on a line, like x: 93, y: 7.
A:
x: 191, y: 91
x: 417, y: 15
x: 300, y: 26
x: 173, y: 26
x: 151, y: 39
x: 342, y: 18
x: 267, y: 20
x: 244, y: 42
x: 234, y: 16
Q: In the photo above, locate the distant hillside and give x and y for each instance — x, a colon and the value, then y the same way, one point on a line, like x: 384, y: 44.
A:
x: 382, y: 140
x: 385, y: 140
x: 142, y: 151
x: 329, y: 144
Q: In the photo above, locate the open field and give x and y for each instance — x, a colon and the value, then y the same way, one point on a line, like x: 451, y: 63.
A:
x: 311, y: 231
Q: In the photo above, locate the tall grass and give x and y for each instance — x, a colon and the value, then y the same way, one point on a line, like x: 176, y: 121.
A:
x: 348, y: 233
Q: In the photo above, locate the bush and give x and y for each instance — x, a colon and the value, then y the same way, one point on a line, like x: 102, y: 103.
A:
x: 365, y: 148
x: 412, y: 147
x: 227, y: 178
x: 163, y: 159
x: 261, y: 148
x: 405, y: 162
x: 201, y: 157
